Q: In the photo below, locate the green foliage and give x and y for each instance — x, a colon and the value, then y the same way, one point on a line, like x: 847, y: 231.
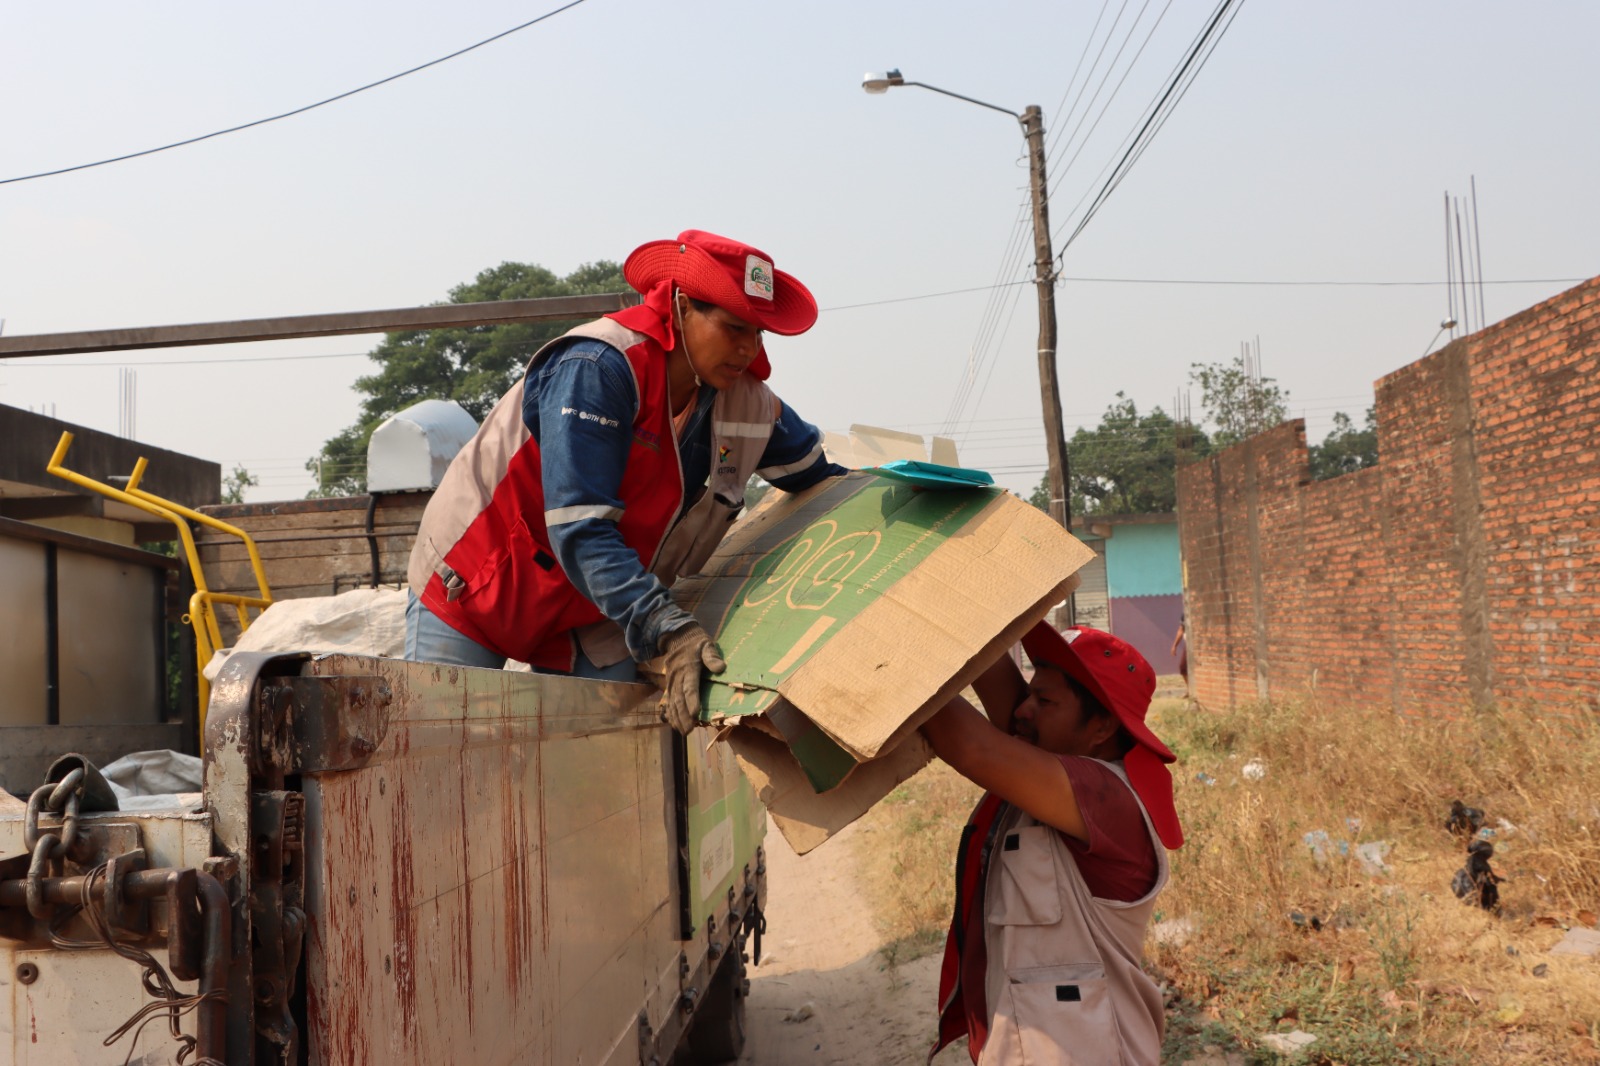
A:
x: 473, y: 366
x: 234, y: 484
x: 1238, y: 404
x: 1346, y: 448
x: 1127, y: 464
x: 1040, y: 496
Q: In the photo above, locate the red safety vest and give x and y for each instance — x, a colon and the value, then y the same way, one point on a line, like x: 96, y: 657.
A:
x: 483, y: 561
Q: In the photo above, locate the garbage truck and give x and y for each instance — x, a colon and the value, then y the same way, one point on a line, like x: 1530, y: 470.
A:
x: 379, y: 860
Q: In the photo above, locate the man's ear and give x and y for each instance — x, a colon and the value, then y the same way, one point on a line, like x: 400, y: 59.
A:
x: 1103, y: 731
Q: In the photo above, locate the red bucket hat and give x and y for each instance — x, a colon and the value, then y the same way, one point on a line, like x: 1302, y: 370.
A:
x: 1123, y: 681
x: 734, y: 276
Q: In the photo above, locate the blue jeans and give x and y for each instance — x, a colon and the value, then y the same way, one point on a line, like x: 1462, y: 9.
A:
x: 430, y: 639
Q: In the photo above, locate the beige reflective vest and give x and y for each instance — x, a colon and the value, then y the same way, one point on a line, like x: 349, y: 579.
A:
x: 1064, y: 986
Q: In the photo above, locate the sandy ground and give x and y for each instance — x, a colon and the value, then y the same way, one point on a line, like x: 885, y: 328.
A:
x: 823, y: 995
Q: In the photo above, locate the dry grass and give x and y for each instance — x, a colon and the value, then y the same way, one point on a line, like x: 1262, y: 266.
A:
x: 1399, y: 971
x: 906, y: 851
x: 1396, y: 970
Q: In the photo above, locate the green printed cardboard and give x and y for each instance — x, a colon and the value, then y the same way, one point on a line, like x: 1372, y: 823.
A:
x: 851, y: 612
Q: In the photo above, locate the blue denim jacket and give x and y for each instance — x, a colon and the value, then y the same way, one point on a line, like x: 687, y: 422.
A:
x: 583, y: 460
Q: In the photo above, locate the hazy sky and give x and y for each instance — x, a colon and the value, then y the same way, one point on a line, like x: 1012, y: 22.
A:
x: 1316, y: 145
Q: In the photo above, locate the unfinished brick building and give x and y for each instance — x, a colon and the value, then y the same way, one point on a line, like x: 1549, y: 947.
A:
x: 1462, y: 570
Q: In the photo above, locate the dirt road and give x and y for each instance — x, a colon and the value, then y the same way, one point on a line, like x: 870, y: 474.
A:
x: 823, y: 995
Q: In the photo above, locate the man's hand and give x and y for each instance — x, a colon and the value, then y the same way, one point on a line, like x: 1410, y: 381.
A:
x: 685, y: 651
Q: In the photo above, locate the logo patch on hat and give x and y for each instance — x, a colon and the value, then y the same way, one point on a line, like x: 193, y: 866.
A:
x: 757, y: 277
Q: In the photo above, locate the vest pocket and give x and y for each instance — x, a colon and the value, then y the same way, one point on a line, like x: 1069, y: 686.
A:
x: 1030, y: 893
x: 1058, y: 1015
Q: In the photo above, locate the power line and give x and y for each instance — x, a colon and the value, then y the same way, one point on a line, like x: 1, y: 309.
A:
x: 994, y: 362
x: 928, y: 295
x: 1370, y: 284
x: 1087, y: 41
x: 984, y: 345
x: 298, y: 110
x: 1179, y: 83
x: 1084, y: 142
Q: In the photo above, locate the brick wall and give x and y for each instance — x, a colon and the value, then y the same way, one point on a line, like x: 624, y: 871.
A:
x: 1464, y: 568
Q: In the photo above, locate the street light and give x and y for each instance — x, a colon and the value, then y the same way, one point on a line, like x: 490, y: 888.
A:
x: 1032, y: 120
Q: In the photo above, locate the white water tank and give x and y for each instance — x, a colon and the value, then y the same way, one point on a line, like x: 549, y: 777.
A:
x: 410, y: 451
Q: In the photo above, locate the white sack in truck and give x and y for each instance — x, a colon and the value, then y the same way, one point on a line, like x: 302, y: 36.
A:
x: 357, y: 622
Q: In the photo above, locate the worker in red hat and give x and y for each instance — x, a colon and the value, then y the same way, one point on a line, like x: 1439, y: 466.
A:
x: 1061, y: 863
x: 610, y: 470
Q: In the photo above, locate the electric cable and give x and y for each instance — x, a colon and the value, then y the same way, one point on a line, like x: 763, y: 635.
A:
x: 1084, y: 143
x: 1195, y: 60
x: 1167, y: 114
x: 982, y: 350
x: 1110, y: 32
x: 298, y: 110
x: 1087, y: 41
x: 996, y: 362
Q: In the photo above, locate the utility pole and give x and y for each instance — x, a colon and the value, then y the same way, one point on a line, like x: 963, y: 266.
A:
x: 1055, y: 441
x: 1044, y: 278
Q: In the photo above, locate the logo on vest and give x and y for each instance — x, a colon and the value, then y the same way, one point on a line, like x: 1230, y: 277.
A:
x: 648, y: 439
x: 757, y: 277
x: 723, y: 452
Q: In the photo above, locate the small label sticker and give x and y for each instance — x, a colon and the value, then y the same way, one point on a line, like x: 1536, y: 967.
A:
x: 716, y: 856
x: 758, y: 277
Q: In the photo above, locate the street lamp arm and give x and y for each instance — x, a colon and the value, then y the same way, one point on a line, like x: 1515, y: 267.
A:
x: 968, y: 99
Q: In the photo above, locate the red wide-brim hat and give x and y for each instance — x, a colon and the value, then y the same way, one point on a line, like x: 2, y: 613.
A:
x: 734, y: 276
x: 1124, y: 682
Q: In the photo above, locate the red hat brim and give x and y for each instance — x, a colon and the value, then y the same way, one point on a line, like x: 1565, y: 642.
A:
x: 1146, y: 763
x: 793, y: 309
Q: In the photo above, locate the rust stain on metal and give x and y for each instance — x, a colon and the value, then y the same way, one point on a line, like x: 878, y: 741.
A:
x: 465, y: 933
x: 515, y: 904
x: 337, y: 1006
x: 402, y: 900
x: 544, y: 841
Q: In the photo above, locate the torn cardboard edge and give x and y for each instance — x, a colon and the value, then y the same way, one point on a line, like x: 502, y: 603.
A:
x: 827, y: 762
x: 920, y: 592
x: 806, y: 810
x: 804, y: 818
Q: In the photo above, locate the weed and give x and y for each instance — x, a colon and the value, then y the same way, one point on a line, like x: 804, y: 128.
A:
x: 1382, y: 967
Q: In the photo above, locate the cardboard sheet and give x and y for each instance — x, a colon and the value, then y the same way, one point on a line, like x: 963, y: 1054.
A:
x: 850, y: 613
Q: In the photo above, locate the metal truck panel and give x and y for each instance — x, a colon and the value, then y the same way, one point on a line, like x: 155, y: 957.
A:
x: 494, y: 883
x: 425, y: 864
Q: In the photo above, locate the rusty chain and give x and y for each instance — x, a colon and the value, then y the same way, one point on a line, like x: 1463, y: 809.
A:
x: 50, y: 850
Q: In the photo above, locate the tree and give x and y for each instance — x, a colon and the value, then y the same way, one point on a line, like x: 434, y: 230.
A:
x: 234, y: 484
x: 1346, y: 448
x: 473, y: 366
x: 1127, y: 464
x: 1236, y: 402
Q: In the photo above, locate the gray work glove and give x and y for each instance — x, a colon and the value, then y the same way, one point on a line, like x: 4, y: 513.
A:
x: 684, y: 651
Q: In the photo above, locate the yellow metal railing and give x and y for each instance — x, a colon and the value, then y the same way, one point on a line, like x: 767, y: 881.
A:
x: 202, y: 616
